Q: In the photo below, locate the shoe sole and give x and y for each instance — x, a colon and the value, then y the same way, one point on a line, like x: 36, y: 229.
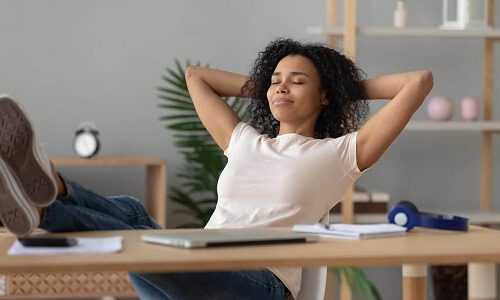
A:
x: 17, y: 150
x: 16, y: 213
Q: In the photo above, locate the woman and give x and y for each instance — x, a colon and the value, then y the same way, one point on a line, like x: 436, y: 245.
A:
x: 291, y: 165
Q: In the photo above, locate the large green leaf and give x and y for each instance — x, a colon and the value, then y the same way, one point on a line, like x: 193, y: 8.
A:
x: 175, y: 106
x: 164, y: 118
x: 191, y: 207
x: 177, y: 100
x: 190, y: 126
x: 358, y: 282
x: 181, y: 84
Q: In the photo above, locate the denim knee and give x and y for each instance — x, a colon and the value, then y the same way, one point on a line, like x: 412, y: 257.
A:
x: 134, y: 208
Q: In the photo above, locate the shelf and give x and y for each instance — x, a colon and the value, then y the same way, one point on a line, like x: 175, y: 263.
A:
x: 483, y: 126
x: 407, y: 32
x: 122, y: 160
x: 474, y: 218
x: 156, y: 176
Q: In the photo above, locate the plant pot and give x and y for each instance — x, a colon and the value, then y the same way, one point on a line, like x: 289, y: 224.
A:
x: 450, y: 282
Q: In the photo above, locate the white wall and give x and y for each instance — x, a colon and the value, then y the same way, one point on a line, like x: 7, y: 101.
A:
x: 101, y: 60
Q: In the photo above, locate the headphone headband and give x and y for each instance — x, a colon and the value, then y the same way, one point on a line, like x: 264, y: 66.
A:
x: 406, y: 214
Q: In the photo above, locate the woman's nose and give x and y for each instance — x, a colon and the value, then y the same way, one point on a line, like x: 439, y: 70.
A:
x: 281, y: 89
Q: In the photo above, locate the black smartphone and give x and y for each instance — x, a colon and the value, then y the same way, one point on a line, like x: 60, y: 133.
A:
x: 47, y: 242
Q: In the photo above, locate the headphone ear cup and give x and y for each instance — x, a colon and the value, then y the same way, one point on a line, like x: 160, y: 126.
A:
x: 405, y: 214
x: 409, y: 205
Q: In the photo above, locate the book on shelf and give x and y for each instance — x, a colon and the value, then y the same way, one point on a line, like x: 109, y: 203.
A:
x: 366, y: 202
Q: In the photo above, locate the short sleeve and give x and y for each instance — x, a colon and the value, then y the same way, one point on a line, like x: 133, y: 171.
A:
x: 240, y: 130
x: 346, y: 150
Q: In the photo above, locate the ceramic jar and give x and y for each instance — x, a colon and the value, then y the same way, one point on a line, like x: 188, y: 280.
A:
x: 440, y: 108
x: 469, y: 109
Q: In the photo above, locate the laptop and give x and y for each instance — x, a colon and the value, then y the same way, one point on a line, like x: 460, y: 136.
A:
x: 216, y: 238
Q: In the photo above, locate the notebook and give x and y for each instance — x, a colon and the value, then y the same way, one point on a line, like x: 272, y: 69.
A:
x: 352, y: 231
x: 216, y: 238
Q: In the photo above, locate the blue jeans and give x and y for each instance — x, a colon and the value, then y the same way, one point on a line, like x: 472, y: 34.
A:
x: 83, y: 210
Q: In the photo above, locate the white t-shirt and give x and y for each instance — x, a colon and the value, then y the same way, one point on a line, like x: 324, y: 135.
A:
x: 282, y: 181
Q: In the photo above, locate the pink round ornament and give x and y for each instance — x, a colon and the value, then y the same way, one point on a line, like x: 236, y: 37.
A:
x: 440, y: 108
x: 469, y: 109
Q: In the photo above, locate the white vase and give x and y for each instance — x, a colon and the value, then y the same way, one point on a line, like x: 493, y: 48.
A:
x: 400, y: 15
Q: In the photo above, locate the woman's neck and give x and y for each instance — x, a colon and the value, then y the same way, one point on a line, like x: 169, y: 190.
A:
x: 301, y: 129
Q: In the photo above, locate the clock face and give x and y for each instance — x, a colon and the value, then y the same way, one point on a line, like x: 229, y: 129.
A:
x: 85, y: 144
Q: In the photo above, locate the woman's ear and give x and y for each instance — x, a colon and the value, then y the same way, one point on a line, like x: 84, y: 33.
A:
x: 324, y: 101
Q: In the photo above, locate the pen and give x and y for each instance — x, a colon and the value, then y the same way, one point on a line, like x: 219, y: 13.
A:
x: 323, y: 226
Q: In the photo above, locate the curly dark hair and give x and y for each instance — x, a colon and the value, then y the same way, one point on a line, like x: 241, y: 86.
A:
x: 340, y: 78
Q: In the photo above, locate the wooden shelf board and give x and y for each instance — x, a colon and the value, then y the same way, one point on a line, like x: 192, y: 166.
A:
x: 117, y: 160
x: 407, y: 32
x: 484, y: 126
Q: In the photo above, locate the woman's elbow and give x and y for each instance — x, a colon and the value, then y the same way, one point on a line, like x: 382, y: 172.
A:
x: 426, y: 79
x: 191, y: 71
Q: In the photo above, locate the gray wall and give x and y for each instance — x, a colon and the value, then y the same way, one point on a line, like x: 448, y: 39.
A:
x: 69, y: 61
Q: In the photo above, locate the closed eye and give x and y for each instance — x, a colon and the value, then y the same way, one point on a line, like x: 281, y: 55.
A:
x: 292, y: 82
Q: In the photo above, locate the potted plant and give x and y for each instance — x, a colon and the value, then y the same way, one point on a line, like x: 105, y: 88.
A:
x: 204, y: 161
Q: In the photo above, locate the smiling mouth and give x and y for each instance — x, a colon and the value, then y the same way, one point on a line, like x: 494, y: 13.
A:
x: 281, y: 101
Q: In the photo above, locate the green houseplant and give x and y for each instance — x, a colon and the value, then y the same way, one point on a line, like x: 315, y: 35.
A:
x: 204, y: 161
x: 203, y: 158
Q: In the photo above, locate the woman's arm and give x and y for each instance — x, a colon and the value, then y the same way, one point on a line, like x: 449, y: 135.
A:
x: 407, y: 92
x: 206, y: 87
x: 387, y: 86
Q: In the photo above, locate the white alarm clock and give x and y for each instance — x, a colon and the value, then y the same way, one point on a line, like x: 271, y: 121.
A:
x: 86, y: 143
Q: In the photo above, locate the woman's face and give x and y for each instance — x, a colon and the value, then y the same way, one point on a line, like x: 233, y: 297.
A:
x: 295, y: 95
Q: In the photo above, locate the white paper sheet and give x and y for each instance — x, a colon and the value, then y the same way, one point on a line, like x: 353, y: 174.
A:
x: 352, y: 231
x: 84, y: 246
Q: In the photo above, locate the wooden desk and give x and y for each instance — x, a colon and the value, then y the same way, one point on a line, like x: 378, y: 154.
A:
x: 46, y: 284
x: 418, y: 247
x: 156, y: 177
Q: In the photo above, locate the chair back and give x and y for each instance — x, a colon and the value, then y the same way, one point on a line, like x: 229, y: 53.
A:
x: 313, y: 284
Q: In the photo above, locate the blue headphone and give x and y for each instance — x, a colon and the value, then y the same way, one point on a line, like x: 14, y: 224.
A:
x: 406, y: 214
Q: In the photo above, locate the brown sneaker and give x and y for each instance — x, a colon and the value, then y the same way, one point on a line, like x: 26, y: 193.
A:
x: 18, y: 214
x: 23, y: 160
